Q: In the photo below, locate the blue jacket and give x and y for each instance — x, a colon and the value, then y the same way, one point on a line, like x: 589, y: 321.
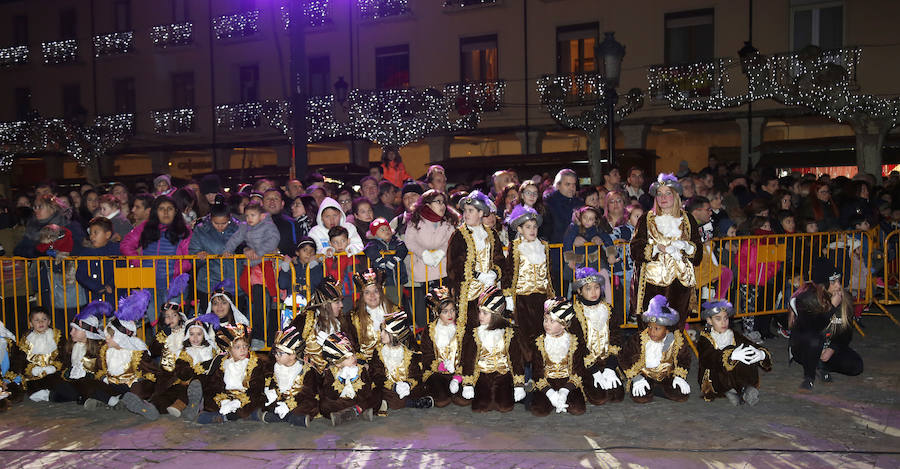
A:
x: 388, y: 263
x: 95, y: 275
x: 559, y: 211
x: 206, y: 238
x: 298, y: 283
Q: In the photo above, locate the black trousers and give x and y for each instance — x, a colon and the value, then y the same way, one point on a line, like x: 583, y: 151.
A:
x: 807, y: 350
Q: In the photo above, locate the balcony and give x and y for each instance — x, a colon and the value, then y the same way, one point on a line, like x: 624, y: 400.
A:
x: 120, y: 122
x: 701, y: 80
x: 476, y: 97
x: 318, y: 12
x: 375, y: 9
x: 450, y: 5
x: 173, y: 121
x: 106, y: 45
x: 238, y: 25
x: 835, y: 65
x: 13, y: 56
x: 60, y: 52
x: 254, y: 115
x: 172, y: 35
x: 576, y: 89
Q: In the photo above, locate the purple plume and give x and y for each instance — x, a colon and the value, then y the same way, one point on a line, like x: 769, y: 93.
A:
x: 210, y: 319
x: 660, y: 310
x: 177, y: 286
x: 134, y: 307
x: 94, y: 308
x: 724, y: 304
x: 226, y: 286
x: 664, y: 177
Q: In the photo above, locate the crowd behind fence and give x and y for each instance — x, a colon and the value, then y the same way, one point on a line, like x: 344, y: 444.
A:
x: 758, y: 274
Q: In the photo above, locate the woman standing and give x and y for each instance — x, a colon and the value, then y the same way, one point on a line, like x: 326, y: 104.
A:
x: 665, y: 249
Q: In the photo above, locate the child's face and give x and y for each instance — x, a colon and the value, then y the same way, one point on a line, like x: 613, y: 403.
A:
x: 448, y: 314
x: 336, y: 307
x: 864, y: 226
x: 471, y: 215
x: 766, y: 226
x: 384, y: 233
x: 588, y: 218
x: 593, y: 199
x: 106, y: 209
x: 285, y: 359
x: 99, y: 236
x: 40, y: 322
x: 788, y: 224
x: 162, y: 186
x: 552, y: 327
x: 489, y: 220
x: 636, y: 215
x: 171, y: 316
x: 220, y: 307
x: 372, y: 296
x: 195, y: 336
x: 363, y: 212
x: 484, y: 317
x: 110, y: 342
x: 331, y: 217
x: 656, y: 332
x: 719, y: 321
x: 732, y: 231
x: 239, y: 350
x: 385, y: 337
x: 305, y: 254
x: 339, y: 243
x: 812, y: 227
x: 252, y: 217
x: 591, y: 291
x: 77, y: 334
x: 347, y: 362
x: 528, y: 230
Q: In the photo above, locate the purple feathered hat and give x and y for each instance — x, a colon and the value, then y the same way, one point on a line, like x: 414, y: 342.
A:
x: 665, y: 179
x: 208, y: 323
x: 88, y: 319
x: 659, y: 312
x: 522, y: 213
x: 584, y: 276
x: 714, y: 307
x: 478, y: 200
x: 131, y: 312
x: 176, y: 287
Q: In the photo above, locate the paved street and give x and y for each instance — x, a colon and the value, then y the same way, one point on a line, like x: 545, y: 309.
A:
x: 853, y: 423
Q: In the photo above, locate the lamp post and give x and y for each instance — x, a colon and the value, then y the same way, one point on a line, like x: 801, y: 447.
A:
x: 341, y: 88
x: 610, y: 52
x: 297, y: 31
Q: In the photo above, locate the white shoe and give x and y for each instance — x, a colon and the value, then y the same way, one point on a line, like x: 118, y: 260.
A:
x: 755, y: 336
x: 41, y: 396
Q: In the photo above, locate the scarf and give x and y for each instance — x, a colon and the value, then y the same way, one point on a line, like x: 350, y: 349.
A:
x: 428, y: 214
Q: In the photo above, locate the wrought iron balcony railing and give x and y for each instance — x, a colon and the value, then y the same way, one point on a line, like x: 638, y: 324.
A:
x: 12, y: 56
x: 172, y: 35
x: 113, y: 43
x: 241, y: 24
x: 173, y: 121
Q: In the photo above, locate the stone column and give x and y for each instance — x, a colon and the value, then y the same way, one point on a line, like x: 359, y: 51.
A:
x: 438, y: 148
x: 870, y: 134
x: 531, y: 141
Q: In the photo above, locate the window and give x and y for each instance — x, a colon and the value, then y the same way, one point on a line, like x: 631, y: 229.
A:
x: 575, y: 48
x: 392, y: 67
x: 122, y: 15
x: 68, y: 24
x: 819, y: 25
x: 183, y: 90
x: 690, y: 36
x: 124, y: 96
x: 320, y: 76
x: 20, y: 30
x: 248, y: 90
x: 23, y: 103
x: 478, y: 59
x: 71, y: 101
x: 181, y: 11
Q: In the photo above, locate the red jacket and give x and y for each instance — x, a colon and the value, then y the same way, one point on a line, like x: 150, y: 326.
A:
x: 395, y: 173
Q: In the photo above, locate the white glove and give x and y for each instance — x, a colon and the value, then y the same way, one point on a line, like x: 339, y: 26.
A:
x: 610, y: 378
x: 681, y: 384
x: 488, y: 279
x: 639, y: 386
x: 674, y: 251
x: 285, y: 266
x: 40, y: 370
x: 282, y: 409
x: 682, y: 245
x: 757, y: 356
x: 552, y: 396
x: 448, y: 365
x: 599, y: 382
x: 402, y: 389
x: 468, y: 392
x: 454, y: 386
x: 352, y: 251
x: 4, y: 395
x: 438, y: 256
x: 561, y: 405
x: 271, y: 395
x: 348, y: 392
x: 510, y: 304
x: 742, y: 354
x: 518, y: 393
x: 228, y: 406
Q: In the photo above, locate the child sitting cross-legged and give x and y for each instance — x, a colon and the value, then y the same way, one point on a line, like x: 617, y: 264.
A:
x: 557, y: 366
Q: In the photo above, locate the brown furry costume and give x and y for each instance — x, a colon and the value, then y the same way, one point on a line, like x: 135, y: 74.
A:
x: 252, y: 397
x: 529, y: 286
x: 718, y: 373
x: 549, y: 374
x: 463, y: 266
x: 676, y: 360
x: 601, y: 350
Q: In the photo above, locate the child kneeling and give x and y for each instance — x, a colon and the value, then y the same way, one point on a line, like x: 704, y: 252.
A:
x: 291, y: 385
x: 557, y: 366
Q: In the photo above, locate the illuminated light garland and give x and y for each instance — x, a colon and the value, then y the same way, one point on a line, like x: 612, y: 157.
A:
x: 172, y: 35
x: 374, y: 9
x: 318, y: 12
x: 60, y: 52
x: 86, y: 144
x: 12, y: 56
x: 237, y: 25
x: 698, y: 81
x: 113, y: 43
x: 174, y: 121
x: 560, y: 92
x: 123, y: 123
x: 6, y: 161
x: 468, y: 3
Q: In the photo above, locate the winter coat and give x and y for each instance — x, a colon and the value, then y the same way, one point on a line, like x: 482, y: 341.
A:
x: 559, y: 211
x: 320, y: 234
x: 428, y: 236
x: 206, y: 238
x: 390, y: 263
x: 262, y: 238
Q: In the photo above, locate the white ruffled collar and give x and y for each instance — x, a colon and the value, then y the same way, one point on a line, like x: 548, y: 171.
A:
x: 234, y: 373
x: 533, y: 251
x: 479, y: 235
x: 42, y: 343
x: 443, y: 334
x: 490, y: 339
x: 377, y: 315
x: 393, y: 356
x: 117, y: 360
x: 668, y: 225
x: 722, y: 340
x: 200, y: 354
x: 285, y: 375
x: 557, y: 347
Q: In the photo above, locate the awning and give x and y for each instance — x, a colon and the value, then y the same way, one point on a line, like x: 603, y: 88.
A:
x: 815, y: 152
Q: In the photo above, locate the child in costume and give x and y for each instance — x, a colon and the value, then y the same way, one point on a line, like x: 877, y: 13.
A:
x: 528, y: 286
x: 291, y: 385
x: 371, y: 308
x: 729, y: 362
x: 11, y: 358
x: 474, y: 258
x: 440, y: 349
x: 321, y: 316
x: 166, y: 346
x: 492, y: 368
x: 86, y: 340
x: 348, y: 391
x: 182, y: 394
x: 599, y: 332
x: 557, y: 364
x: 396, y: 368
x: 44, y: 348
x: 221, y: 303
x: 657, y: 360
x: 233, y: 388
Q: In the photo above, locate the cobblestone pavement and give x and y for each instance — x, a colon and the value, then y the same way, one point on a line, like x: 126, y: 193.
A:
x: 852, y: 423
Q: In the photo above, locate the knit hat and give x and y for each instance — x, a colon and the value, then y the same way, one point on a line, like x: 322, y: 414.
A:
x: 127, y: 318
x: 560, y: 310
x: 584, y: 276
x: 162, y: 178
x: 824, y: 271
x: 712, y: 308
x: 305, y: 241
x: 88, y: 319
x: 376, y: 224
x: 336, y: 346
x: 723, y: 226
x: 290, y: 341
x: 210, y: 184
x: 665, y: 180
x: 521, y: 214
x: 227, y: 335
x: 478, y: 200
x: 412, y: 186
x: 659, y: 312
x: 224, y: 290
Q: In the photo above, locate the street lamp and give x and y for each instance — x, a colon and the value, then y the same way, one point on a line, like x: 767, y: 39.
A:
x: 611, y: 53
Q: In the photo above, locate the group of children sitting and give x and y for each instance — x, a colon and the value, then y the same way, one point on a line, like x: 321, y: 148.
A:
x: 351, y: 365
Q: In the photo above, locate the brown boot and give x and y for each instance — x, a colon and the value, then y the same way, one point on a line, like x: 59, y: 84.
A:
x: 344, y: 416
x: 176, y: 408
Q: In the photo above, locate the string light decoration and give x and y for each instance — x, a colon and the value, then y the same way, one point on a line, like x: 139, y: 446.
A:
x: 318, y: 12
x: 468, y: 3
x: 559, y: 92
x: 60, y: 52
x: 113, y: 43
x: 695, y: 82
x: 6, y: 161
x: 174, y: 121
x: 172, y: 35
x: 12, y: 56
x: 123, y: 123
x: 374, y: 9
x: 237, y: 25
